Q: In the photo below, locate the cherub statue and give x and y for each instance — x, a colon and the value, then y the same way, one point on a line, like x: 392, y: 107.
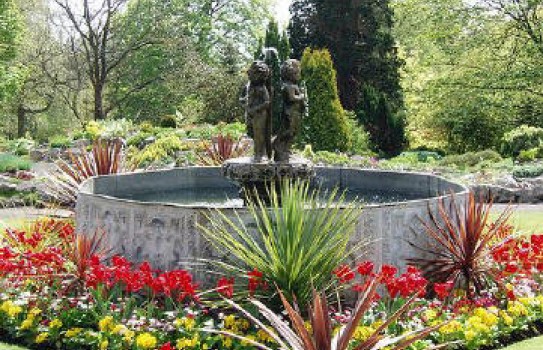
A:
x: 294, y: 108
x: 257, y: 110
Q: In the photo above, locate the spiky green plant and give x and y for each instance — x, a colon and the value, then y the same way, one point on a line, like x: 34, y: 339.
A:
x: 300, y: 238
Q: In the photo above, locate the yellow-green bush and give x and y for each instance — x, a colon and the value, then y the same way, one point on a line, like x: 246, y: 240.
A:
x: 326, y: 125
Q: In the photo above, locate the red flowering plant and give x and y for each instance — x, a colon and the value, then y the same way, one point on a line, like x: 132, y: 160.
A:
x: 35, y: 256
x: 519, y: 262
x: 395, y: 289
x: 121, y: 279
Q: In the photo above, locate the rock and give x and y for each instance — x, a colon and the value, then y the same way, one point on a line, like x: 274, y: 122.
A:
x: 38, y: 155
x: 6, y: 184
x: 27, y: 186
x: 497, y: 193
x: 508, y: 181
x: 81, y: 143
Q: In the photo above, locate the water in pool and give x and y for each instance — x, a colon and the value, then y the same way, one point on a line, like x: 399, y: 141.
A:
x: 228, y: 197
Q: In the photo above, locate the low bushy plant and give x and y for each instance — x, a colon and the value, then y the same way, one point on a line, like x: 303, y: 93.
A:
x: 13, y: 163
x: 168, y: 121
x: 528, y: 155
x: 20, y: 147
x: 521, y: 139
x: 60, y: 141
x: 528, y: 171
x: 470, y: 159
x: 159, y: 152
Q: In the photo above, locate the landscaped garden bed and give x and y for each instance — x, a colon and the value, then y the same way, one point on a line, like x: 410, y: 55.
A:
x: 62, y: 290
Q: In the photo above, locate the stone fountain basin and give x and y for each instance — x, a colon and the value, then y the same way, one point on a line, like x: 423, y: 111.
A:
x: 167, y: 234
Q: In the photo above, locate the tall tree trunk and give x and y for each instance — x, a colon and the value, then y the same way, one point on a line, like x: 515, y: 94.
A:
x: 21, y: 121
x: 98, y: 102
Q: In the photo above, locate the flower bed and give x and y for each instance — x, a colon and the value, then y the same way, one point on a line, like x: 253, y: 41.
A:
x: 59, y: 292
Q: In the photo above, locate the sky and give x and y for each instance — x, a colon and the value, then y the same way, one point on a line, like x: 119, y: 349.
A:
x: 281, y: 11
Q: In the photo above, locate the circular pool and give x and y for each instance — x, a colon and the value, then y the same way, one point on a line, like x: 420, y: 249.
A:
x: 154, y: 216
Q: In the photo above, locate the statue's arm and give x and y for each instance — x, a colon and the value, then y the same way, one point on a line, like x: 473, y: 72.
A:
x: 295, y: 94
x: 264, y: 105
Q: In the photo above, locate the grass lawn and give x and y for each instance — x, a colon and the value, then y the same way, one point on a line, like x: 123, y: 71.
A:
x: 526, y: 218
x: 10, y: 347
x: 530, y: 344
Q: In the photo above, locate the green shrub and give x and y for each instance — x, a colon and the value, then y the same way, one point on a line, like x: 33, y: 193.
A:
x: 520, y: 139
x: 325, y: 127
x: 528, y: 155
x: 330, y: 158
x: 60, y: 141
x: 138, y: 139
x: 168, y: 121
x: 528, y: 171
x: 115, y: 128
x: 386, y: 128
x: 360, y: 141
x: 160, y: 152
x: 20, y: 147
x: 471, y: 159
x: 12, y: 163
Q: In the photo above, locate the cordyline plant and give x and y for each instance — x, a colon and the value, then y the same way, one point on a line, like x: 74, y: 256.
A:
x: 223, y: 148
x: 322, y: 336
x: 299, y: 239
x: 462, y: 236
x: 105, y: 158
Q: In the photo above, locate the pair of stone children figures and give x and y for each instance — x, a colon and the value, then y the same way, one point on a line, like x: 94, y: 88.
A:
x: 258, y: 110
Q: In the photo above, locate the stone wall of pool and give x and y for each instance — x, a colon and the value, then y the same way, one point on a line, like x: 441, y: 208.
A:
x: 167, y: 234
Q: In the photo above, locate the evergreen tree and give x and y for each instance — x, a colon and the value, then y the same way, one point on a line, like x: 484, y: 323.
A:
x: 386, y: 129
x: 326, y: 126
x: 284, y: 47
x: 301, y: 29
x: 358, y: 36
x: 272, y: 35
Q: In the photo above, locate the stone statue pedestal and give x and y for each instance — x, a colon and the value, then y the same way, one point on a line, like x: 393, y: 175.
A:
x: 257, y: 178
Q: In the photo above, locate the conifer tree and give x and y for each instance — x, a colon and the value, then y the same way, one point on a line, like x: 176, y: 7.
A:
x: 326, y: 126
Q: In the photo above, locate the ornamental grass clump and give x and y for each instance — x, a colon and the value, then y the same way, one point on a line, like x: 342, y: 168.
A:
x: 300, y: 238
x: 462, y: 236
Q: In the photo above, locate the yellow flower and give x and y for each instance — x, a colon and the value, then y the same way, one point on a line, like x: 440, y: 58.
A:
x: 106, y: 324
x: 56, y: 323
x: 104, y: 344
x: 451, y: 327
x: 41, y: 338
x: 362, y: 333
x: 470, y: 335
x: 430, y: 314
x: 508, y: 320
x: 246, y: 342
x: 517, y: 309
x: 185, y: 322
x: 146, y: 341
x: 14, y: 311
x: 243, y: 324
x: 187, y: 343
x: 128, y: 336
x: 227, y: 342
x: 230, y: 321
x: 72, y: 332
x: 119, y: 329
x: 34, y: 312
x: 263, y: 336
x: 26, y: 324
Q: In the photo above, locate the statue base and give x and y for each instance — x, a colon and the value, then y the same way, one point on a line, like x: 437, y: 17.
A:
x: 257, y: 178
